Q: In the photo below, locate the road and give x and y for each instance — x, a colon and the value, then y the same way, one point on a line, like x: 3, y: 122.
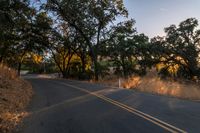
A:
x: 66, y: 106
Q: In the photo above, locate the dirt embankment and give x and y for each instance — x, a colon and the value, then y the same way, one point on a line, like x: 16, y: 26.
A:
x: 15, y: 94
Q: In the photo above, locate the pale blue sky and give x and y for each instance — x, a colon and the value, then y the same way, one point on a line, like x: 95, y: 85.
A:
x: 153, y: 15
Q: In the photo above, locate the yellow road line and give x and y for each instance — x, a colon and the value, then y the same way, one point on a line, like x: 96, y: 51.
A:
x: 148, y: 117
x: 67, y: 101
x: 62, y: 103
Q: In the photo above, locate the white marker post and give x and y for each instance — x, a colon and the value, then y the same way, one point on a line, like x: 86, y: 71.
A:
x: 119, y: 83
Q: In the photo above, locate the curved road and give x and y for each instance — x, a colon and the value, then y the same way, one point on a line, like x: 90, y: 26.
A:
x: 65, y: 106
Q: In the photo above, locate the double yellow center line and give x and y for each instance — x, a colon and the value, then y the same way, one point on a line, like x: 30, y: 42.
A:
x: 145, y: 116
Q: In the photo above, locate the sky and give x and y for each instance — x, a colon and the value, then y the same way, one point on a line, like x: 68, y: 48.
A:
x: 153, y: 15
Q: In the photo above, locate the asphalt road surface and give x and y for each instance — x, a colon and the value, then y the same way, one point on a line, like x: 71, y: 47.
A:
x: 65, y: 106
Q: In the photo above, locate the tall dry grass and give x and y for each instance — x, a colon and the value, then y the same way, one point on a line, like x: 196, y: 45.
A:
x: 152, y: 83
x: 15, y: 95
x: 8, y: 73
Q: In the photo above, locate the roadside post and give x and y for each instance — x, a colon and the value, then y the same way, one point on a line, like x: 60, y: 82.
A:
x: 119, y: 82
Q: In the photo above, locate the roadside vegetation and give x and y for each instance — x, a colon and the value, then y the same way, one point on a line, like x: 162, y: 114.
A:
x: 152, y: 83
x: 85, y: 40
x: 15, y: 95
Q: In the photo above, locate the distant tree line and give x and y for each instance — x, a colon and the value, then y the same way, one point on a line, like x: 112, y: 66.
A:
x: 23, y: 31
x: 81, y: 38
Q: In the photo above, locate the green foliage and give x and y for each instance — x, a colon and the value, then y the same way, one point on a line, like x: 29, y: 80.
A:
x: 90, y: 19
x: 25, y: 31
x: 179, y: 49
x: 83, y: 40
x: 128, y: 51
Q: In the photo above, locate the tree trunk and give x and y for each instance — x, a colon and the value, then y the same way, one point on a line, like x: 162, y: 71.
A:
x: 19, y: 68
x: 96, y: 70
x: 64, y: 74
x: 95, y: 62
x: 124, y: 68
x: 124, y: 71
x: 1, y: 59
x: 83, y: 64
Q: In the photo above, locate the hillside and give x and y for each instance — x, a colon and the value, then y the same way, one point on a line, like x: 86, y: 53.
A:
x: 15, y: 94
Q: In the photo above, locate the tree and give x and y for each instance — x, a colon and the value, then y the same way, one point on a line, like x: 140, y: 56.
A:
x: 23, y: 31
x: 120, y: 49
x: 179, y: 51
x: 142, y: 53
x: 9, y: 12
x: 90, y: 18
x: 32, y: 30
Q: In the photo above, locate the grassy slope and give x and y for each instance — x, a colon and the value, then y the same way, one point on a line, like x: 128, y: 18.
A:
x: 152, y: 83
x: 15, y: 95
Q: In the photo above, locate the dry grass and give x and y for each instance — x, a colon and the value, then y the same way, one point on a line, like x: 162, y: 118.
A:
x: 153, y: 84
x: 109, y: 80
x: 15, y: 95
